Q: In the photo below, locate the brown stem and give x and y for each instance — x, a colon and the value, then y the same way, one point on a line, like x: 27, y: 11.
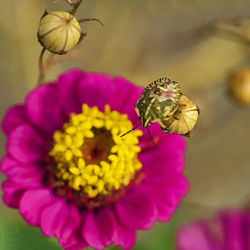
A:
x: 55, y: 59
x: 69, y: 2
x: 41, y: 66
x: 76, y: 6
x: 90, y: 19
x: 235, y: 31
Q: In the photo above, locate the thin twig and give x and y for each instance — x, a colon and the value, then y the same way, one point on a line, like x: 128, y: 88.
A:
x: 90, y: 19
x: 41, y: 66
x: 76, y: 6
x: 55, y: 59
x: 61, y: 58
x: 67, y: 1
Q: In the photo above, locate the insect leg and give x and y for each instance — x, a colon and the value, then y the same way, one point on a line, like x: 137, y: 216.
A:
x: 151, y: 137
x: 90, y: 19
x: 131, y: 129
x: 166, y: 129
x: 82, y: 36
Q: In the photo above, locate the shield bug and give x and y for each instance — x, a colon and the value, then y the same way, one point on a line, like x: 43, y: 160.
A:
x: 162, y: 101
x: 182, y: 119
x: 157, y: 100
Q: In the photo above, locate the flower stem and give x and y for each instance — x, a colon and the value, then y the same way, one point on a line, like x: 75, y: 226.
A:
x: 41, y: 66
x: 75, y: 7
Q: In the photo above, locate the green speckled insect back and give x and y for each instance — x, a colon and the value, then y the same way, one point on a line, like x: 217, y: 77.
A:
x: 157, y: 100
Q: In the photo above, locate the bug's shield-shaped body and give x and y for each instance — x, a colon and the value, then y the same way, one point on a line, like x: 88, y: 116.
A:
x: 157, y: 100
x: 182, y: 119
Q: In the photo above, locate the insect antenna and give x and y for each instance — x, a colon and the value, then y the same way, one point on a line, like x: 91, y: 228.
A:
x: 151, y: 137
x: 131, y: 129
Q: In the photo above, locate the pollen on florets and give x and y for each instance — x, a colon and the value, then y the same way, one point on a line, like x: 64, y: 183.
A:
x: 90, y: 155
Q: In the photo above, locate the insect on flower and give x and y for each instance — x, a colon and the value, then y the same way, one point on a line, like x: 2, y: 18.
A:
x: 162, y: 102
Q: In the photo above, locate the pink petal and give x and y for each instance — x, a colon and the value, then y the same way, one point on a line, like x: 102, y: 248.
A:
x: 193, y: 237
x: 232, y: 222
x: 171, y: 161
x: 54, y: 217
x: 98, y: 229
x: 136, y: 211
x: 13, y: 192
x: 33, y: 202
x: 124, y: 98
x: 44, y: 109
x: 14, y: 117
x: 21, y: 173
x: 75, y: 241
x: 95, y: 89
x: 73, y: 220
x: 124, y: 237
x: 70, y: 243
x: 67, y: 85
x: 166, y: 194
x: 26, y: 145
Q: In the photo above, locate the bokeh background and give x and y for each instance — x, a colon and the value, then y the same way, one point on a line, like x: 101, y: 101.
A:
x: 144, y: 40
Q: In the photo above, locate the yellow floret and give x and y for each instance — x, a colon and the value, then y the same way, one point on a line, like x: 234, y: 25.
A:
x: 103, y: 177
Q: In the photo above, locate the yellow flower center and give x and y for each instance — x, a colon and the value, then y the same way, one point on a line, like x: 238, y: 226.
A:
x: 90, y: 155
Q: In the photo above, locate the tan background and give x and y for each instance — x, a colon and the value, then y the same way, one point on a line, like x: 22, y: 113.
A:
x: 144, y: 40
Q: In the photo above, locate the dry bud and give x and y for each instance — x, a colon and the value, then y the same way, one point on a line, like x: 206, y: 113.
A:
x: 183, y: 118
x: 59, y: 32
x: 240, y: 86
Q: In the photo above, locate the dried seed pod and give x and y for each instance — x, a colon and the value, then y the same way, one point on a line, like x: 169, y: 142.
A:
x: 182, y: 119
x: 59, y: 32
x: 240, y: 86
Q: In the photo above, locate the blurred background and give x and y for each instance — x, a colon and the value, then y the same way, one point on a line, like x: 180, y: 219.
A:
x: 198, y: 43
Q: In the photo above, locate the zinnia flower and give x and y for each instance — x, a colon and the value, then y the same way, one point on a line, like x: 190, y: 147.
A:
x: 229, y: 230
x: 70, y: 173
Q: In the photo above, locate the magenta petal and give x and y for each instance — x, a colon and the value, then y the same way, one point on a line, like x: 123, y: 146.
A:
x: 54, y: 217
x: 166, y: 194
x: 232, y: 222
x: 20, y: 173
x: 98, y: 229
x: 70, y: 243
x: 67, y: 85
x: 44, y: 109
x: 193, y: 237
x: 73, y: 220
x: 124, y: 101
x: 13, y: 191
x: 14, y: 117
x: 124, y: 237
x: 32, y: 204
x: 25, y: 145
x: 95, y: 89
x: 136, y: 210
x: 171, y: 161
